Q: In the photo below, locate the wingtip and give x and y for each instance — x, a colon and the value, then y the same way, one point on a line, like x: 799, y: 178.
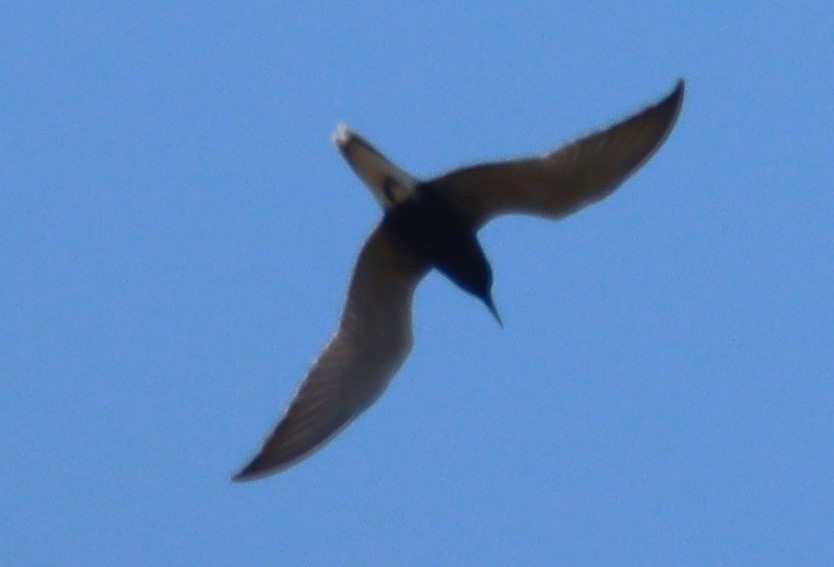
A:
x: 239, y: 478
x: 680, y: 85
x: 677, y: 93
x: 675, y: 100
x: 246, y: 473
x: 255, y: 469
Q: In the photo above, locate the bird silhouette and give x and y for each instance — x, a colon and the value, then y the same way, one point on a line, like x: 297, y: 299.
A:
x: 434, y: 224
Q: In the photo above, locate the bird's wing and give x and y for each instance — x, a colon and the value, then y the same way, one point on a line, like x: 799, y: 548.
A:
x: 373, y: 340
x: 567, y: 179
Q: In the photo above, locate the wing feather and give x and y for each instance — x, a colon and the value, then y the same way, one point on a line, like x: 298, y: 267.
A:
x: 567, y: 179
x: 373, y: 340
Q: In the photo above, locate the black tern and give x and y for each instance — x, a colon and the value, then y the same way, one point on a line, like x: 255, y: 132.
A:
x: 434, y: 224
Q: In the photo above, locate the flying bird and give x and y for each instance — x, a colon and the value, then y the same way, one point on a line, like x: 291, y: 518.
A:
x: 434, y: 224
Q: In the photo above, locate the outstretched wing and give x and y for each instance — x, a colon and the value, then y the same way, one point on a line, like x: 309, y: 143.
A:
x: 373, y: 340
x: 564, y: 181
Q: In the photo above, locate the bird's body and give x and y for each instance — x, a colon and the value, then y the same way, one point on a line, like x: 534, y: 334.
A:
x: 431, y: 227
x: 434, y: 224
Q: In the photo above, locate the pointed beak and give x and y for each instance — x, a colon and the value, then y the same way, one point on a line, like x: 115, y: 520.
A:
x: 492, y: 309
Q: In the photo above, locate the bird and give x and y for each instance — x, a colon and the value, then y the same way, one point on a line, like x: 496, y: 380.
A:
x: 433, y: 224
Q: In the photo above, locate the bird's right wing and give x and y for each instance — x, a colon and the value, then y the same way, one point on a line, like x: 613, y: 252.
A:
x: 567, y: 179
x: 373, y: 340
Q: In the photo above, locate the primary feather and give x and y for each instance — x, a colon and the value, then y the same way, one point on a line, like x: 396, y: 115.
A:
x: 373, y: 340
x: 567, y: 179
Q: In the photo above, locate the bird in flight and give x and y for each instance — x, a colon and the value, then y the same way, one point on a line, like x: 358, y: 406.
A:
x: 434, y: 224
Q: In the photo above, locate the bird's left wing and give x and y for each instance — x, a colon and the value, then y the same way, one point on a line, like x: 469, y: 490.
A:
x: 373, y: 340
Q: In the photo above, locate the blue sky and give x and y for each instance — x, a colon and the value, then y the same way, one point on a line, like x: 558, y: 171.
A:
x: 178, y: 230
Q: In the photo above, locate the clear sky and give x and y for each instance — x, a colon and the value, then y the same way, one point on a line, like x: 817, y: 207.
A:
x: 177, y: 231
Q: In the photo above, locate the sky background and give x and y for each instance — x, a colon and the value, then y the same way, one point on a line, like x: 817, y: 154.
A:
x: 177, y: 231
